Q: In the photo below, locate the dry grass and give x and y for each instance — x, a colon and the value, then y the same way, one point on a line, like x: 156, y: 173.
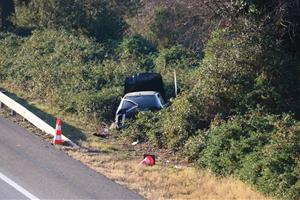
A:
x: 165, y: 181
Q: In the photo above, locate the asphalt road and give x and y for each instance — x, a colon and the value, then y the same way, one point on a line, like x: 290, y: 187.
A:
x: 31, y: 168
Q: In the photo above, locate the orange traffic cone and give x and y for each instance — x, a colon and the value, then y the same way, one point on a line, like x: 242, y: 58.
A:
x: 57, y: 138
x: 148, y: 160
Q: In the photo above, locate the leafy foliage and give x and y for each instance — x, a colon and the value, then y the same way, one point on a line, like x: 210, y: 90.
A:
x: 146, y: 127
x: 236, y: 61
x: 238, y: 74
x: 136, y: 46
x: 176, y: 126
x: 100, y: 19
x: 139, y: 50
x: 11, y: 45
x: 169, y: 23
x: 260, y: 149
x: 183, y: 62
x: 62, y: 69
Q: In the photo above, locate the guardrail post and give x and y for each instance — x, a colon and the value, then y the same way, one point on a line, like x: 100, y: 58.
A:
x: 1, y: 104
x: 12, y: 112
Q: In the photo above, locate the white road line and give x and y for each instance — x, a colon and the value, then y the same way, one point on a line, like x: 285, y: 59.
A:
x: 18, y: 187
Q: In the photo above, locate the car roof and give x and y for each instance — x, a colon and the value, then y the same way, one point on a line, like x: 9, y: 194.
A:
x: 141, y: 93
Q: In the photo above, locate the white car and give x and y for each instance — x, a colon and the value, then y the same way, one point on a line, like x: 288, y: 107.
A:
x: 133, y: 102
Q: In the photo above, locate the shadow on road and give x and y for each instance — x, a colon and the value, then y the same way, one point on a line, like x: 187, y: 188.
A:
x: 68, y: 130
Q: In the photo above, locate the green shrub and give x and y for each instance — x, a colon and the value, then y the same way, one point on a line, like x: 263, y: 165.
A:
x: 161, y: 27
x: 177, y: 57
x: 71, y: 72
x: 176, y: 128
x: 240, y: 72
x: 52, y: 14
x: 171, y: 23
x: 10, y: 45
x: 136, y: 46
x: 182, y: 61
x: 137, y: 49
x: 226, y: 75
x: 100, y: 106
x: 49, y: 60
x: 258, y: 148
x: 115, y: 72
x: 100, y: 19
x: 146, y: 127
x: 62, y: 69
x: 195, y: 145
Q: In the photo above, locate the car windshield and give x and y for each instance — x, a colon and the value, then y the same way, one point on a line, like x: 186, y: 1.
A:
x: 127, y: 105
x: 145, y: 101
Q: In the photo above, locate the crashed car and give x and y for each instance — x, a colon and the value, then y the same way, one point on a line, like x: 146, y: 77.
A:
x: 135, y: 102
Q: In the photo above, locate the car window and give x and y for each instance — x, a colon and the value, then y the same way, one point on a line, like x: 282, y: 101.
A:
x: 145, y: 101
x: 127, y: 105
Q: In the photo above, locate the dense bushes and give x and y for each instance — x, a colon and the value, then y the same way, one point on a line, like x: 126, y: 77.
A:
x: 242, y: 70
x: 237, y: 75
x: 139, y: 50
x: 234, y: 85
x: 176, y: 126
x: 47, y: 56
x: 168, y: 23
x: 77, y: 74
x: 260, y: 149
x: 62, y: 69
x: 100, y: 19
x: 100, y: 106
x: 136, y: 46
x: 180, y: 60
x: 9, y: 47
x: 146, y: 127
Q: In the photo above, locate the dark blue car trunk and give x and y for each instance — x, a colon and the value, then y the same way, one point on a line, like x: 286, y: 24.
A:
x: 145, y: 82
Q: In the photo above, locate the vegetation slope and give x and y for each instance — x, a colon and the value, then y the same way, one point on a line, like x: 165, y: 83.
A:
x: 237, y: 64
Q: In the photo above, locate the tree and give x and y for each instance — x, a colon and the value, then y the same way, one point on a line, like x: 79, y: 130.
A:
x: 7, y: 9
x: 101, y: 19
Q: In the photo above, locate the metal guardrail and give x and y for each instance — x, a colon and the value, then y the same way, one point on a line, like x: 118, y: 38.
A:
x: 29, y: 116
